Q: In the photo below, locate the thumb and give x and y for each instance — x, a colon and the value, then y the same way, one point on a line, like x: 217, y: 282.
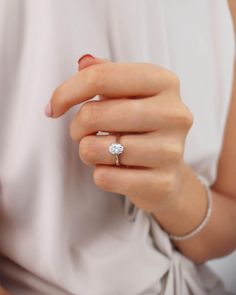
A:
x: 89, y: 60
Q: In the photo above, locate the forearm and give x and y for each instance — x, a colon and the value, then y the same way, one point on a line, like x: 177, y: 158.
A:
x: 217, y: 238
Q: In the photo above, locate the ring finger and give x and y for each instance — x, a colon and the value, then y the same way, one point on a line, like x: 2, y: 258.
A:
x: 148, y: 150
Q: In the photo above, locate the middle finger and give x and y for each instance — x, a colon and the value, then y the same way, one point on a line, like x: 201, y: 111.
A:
x: 118, y: 115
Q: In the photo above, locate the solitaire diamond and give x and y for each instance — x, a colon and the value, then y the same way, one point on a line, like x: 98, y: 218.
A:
x: 116, y: 148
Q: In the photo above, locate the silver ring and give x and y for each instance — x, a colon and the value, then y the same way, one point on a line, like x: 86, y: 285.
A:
x: 116, y: 149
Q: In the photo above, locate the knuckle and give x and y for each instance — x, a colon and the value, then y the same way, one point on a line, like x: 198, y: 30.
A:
x: 186, y: 119
x: 100, y: 177
x: 189, y: 119
x: 174, y: 152
x: 86, y: 150
x: 161, y: 75
x: 87, y: 114
x: 166, y: 78
x: 182, y: 117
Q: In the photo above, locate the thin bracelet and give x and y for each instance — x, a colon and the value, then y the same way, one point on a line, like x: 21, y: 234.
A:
x: 204, y: 221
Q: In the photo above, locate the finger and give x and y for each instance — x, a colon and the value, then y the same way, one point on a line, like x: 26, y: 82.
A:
x: 126, y: 116
x: 120, y: 115
x: 148, y: 150
x: 145, y: 187
x: 109, y: 79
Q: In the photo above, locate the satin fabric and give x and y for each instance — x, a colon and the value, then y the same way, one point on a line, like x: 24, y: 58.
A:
x: 60, y: 234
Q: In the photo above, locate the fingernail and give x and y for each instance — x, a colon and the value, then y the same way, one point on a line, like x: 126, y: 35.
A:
x: 48, y: 110
x: 85, y: 56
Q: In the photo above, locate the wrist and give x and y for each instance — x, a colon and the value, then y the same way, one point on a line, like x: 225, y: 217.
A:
x: 176, y: 200
x: 188, y: 208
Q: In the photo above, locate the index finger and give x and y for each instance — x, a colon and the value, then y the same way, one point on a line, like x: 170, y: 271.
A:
x: 114, y: 80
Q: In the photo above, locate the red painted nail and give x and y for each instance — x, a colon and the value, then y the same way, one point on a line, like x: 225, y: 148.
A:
x: 84, y: 56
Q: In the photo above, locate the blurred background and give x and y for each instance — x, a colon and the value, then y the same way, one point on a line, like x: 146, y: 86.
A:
x: 226, y: 269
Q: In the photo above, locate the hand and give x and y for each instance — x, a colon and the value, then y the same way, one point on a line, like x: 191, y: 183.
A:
x: 142, y: 102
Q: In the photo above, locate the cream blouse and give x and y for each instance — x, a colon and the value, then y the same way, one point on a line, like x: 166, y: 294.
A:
x: 59, y: 233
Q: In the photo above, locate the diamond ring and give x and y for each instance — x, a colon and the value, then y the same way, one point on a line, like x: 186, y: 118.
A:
x: 116, y: 149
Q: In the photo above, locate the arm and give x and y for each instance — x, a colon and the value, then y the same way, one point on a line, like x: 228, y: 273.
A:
x: 218, y: 237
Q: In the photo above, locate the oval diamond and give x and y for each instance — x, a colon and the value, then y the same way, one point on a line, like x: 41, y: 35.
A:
x: 116, y: 148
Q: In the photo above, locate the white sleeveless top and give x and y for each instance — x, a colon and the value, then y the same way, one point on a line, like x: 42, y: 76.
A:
x: 59, y: 233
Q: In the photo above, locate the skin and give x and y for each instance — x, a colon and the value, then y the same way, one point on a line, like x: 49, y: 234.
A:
x: 142, y: 102
x: 151, y: 181
x: 164, y: 186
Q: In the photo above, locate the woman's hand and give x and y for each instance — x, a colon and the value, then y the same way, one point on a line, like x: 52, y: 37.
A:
x: 142, y: 102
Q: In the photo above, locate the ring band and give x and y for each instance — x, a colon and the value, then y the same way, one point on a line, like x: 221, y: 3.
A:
x: 116, y: 149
